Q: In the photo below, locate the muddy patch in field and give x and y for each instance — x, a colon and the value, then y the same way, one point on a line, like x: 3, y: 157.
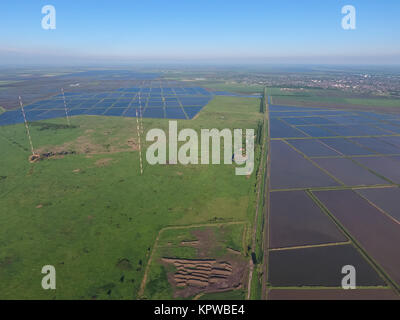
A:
x: 86, y: 145
x: 49, y: 155
x: 103, y: 162
x: 51, y: 126
x: 215, y: 268
x: 131, y: 142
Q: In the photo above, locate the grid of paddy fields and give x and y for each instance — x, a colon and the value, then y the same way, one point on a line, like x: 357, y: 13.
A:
x: 154, y: 100
x: 334, y: 201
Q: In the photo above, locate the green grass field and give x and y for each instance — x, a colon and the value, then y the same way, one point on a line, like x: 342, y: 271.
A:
x: 234, y: 87
x: 329, y: 97
x: 203, y: 79
x: 92, y: 215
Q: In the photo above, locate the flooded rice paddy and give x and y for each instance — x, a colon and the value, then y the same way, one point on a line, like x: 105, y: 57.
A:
x: 334, y: 191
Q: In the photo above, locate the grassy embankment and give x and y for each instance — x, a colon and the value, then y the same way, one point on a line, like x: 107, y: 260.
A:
x: 330, y: 98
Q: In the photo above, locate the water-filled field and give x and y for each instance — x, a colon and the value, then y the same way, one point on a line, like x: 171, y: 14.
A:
x: 146, y: 101
x: 334, y: 192
x: 152, y: 99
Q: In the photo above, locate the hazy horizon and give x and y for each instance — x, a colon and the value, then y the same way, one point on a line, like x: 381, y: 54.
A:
x: 206, y: 32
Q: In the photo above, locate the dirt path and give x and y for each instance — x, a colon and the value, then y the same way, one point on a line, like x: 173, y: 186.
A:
x: 312, y: 246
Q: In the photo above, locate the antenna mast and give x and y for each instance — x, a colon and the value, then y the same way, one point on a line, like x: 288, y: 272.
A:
x: 65, y: 106
x: 26, y: 125
x: 140, y: 147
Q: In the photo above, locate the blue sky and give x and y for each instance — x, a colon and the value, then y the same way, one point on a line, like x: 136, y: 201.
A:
x: 306, y: 31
